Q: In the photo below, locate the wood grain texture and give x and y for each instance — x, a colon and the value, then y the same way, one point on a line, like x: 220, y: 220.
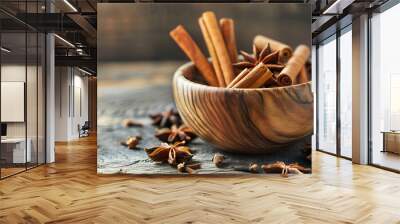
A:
x: 70, y: 191
x: 244, y: 120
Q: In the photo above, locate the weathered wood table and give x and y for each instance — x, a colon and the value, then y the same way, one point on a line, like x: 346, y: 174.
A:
x: 135, y: 90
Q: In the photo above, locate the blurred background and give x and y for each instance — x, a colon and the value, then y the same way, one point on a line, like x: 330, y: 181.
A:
x: 139, y: 32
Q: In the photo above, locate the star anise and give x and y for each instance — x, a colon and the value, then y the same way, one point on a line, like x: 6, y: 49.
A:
x: 265, y: 56
x: 175, y: 134
x: 172, y: 154
x: 132, y: 142
x: 166, y: 118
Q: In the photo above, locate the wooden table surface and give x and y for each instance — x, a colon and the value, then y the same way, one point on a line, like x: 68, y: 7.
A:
x: 135, y: 90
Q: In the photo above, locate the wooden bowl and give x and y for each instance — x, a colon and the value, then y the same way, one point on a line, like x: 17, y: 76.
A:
x: 244, y: 120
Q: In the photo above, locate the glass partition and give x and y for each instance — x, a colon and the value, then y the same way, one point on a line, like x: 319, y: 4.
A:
x: 41, y: 97
x: 327, y: 95
x: 23, y: 91
x: 31, y: 99
x: 15, y: 151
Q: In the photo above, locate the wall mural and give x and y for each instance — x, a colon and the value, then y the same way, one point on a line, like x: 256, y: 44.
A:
x: 204, y: 89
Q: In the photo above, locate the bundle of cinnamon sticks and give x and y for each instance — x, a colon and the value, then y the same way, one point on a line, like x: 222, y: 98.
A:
x: 289, y: 67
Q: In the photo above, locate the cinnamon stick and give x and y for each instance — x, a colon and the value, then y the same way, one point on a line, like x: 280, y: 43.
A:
x: 210, y: 20
x: 285, y: 52
x: 289, y: 74
x: 251, y: 79
x: 228, y: 32
x: 303, y: 76
x: 242, y: 74
x: 271, y: 82
x: 267, y: 75
x: 193, y: 52
x: 212, y: 52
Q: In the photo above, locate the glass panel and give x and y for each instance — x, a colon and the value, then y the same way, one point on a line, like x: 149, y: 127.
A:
x: 327, y: 96
x: 23, y: 90
x: 32, y: 88
x: 13, y: 86
x: 41, y: 99
x: 314, y: 89
x: 385, y: 84
x: 31, y: 98
x: 346, y: 94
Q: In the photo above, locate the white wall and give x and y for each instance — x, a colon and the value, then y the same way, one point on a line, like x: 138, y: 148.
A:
x: 33, y: 127
x: 16, y: 73
x: 50, y: 94
x: 71, y: 93
x: 62, y: 81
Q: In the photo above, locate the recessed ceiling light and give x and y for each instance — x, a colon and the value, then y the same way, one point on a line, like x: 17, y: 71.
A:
x: 5, y: 50
x: 64, y: 40
x: 338, y: 6
x: 70, y: 5
x: 84, y: 71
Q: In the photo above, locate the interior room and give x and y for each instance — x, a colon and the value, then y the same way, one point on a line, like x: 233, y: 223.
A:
x: 49, y: 161
x: 384, y: 89
x: 334, y: 82
x: 22, y: 100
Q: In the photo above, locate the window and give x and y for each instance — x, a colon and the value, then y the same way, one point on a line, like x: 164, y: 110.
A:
x: 385, y: 89
x: 327, y: 95
x: 345, y: 42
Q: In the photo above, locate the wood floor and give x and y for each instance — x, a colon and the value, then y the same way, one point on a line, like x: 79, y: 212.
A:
x: 70, y: 191
x: 387, y: 159
x: 11, y: 170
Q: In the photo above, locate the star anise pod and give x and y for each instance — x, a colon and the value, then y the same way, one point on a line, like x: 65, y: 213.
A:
x: 175, y: 134
x: 265, y: 56
x: 132, y: 142
x: 166, y: 118
x: 172, y: 154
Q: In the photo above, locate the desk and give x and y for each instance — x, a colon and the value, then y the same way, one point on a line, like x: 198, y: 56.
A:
x: 15, y: 148
x: 391, y: 141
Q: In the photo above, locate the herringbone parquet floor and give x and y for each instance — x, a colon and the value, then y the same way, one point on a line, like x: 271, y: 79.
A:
x: 69, y: 191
